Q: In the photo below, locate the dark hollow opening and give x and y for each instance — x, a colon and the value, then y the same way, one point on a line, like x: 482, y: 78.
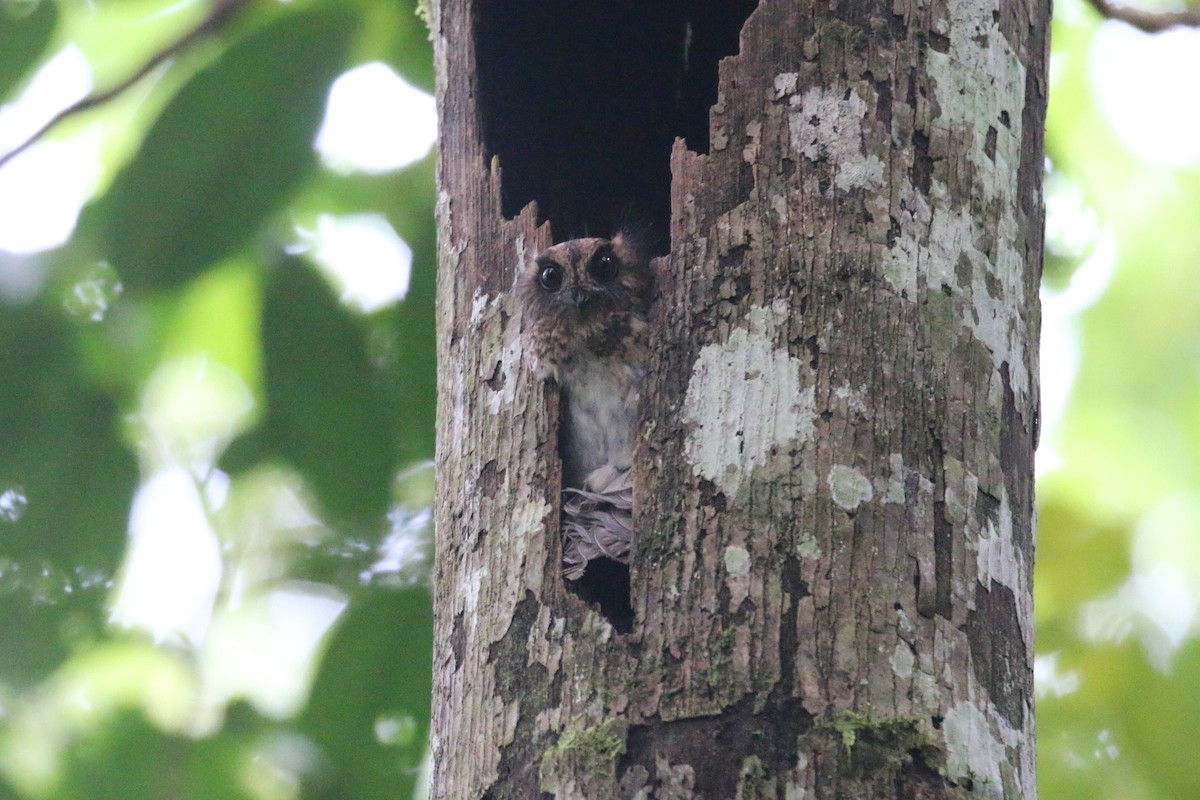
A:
x: 583, y: 100
x: 606, y: 583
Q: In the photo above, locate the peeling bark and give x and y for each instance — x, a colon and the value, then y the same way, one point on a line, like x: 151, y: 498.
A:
x: 834, y: 487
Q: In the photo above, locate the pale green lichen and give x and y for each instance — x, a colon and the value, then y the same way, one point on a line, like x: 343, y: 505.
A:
x: 737, y: 561
x: 747, y: 399
x: 972, y: 749
x: 849, y: 487
x: 754, y: 781
x: 893, y: 488
x: 808, y: 548
x: 826, y: 125
x: 903, y: 661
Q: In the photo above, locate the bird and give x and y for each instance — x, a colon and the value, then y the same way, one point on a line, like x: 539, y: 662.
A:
x: 584, y: 306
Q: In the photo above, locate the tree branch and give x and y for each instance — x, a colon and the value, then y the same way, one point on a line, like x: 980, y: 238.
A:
x: 1148, y: 21
x: 221, y: 12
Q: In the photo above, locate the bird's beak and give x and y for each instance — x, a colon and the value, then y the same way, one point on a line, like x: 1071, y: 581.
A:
x: 579, y: 296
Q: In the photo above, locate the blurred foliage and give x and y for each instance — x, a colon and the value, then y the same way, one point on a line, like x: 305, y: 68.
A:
x: 184, y: 202
x: 1117, y: 582
x: 23, y: 38
x: 214, y: 481
x: 188, y: 407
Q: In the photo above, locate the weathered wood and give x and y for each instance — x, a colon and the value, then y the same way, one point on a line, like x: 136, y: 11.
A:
x: 834, y: 488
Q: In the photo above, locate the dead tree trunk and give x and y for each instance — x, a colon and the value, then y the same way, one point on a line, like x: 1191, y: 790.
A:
x: 831, y: 583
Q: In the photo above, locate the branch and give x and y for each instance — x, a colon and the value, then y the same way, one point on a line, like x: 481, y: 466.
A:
x: 221, y: 12
x: 1148, y: 21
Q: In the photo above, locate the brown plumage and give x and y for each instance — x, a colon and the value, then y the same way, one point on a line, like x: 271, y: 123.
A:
x: 584, y: 304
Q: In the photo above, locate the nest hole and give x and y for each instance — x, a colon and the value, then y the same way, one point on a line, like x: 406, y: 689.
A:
x: 582, y: 102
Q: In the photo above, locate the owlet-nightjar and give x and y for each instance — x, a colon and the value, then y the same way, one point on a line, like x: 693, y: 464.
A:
x: 585, y: 303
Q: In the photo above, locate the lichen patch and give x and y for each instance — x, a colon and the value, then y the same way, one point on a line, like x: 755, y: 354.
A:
x: 902, y: 661
x: 891, y: 488
x: 529, y: 520
x: 848, y: 487
x: 737, y: 570
x: 826, y: 125
x: 481, y: 302
x: 737, y: 561
x: 747, y: 399
x: 972, y: 751
x: 999, y: 559
x: 785, y: 84
x: 504, y: 377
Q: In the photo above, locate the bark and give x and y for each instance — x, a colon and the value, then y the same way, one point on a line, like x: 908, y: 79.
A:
x: 831, y: 581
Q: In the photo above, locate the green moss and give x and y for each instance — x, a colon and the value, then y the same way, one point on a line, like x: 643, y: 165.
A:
x: 721, y: 647
x: 873, y: 744
x: 848, y: 724
x: 834, y: 33
x: 595, y: 749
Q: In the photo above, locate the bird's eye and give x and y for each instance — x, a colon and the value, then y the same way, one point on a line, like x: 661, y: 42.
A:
x: 550, y: 277
x: 604, y: 266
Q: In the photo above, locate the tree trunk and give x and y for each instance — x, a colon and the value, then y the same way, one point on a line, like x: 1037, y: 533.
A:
x: 831, y: 580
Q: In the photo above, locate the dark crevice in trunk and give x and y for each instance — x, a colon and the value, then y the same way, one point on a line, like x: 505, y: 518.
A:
x: 606, y: 583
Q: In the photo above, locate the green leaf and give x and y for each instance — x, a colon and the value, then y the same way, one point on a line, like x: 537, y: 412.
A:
x: 369, y: 711
x: 128, y: 757
x: 409, y: 366
x: 1160, y: 722
x: 227, y: 151
x: 326, y: 412
x: 413, y: 374
x: 66, y: 481
x: 41, y: 624
x: 70, y: 477
x: 408, y: 47
x: 25, y: 32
